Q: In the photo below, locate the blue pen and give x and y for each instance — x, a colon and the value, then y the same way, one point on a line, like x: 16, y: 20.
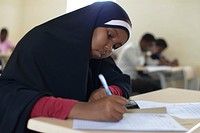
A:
x: 104, y: 83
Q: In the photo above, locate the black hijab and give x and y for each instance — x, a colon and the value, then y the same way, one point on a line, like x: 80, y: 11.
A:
x: 54, y: 59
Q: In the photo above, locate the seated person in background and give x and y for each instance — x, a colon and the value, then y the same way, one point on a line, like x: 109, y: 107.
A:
x: 5, y: 45
x: 133, y: 55
x: 157, y: 58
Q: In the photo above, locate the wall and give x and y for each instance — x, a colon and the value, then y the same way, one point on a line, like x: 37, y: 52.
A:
x: 10, y: 17
x: 178, y: 21
x: 40, y: 11
x: 19, y: 16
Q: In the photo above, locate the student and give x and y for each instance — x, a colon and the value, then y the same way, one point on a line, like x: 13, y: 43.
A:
x: 5, y: 45
x: 133, y: 55
x: 53, y: 71
x: 160, y: 46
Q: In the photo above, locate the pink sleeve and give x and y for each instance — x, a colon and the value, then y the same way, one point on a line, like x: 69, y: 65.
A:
x: 49, y: 106
x: 10, y: 45
x: 116, y: 90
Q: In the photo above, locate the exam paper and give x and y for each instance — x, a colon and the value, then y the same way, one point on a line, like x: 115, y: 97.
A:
x: 180, y: 110
x: 158, y: 68
x: 133, y: 122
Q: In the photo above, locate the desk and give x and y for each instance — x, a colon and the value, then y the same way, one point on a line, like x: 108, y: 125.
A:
x: 171, y: 95
x: 167, y: 73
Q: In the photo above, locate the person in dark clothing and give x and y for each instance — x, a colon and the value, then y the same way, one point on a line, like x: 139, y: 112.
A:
x: 53, y: 71
x: 160, y: 46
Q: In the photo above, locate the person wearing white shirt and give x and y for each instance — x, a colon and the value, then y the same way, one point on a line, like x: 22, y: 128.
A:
x: 129, y: 58
x: 133, y: 55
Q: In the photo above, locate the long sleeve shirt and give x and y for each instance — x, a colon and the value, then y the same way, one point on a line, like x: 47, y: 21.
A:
x: 49, y: 106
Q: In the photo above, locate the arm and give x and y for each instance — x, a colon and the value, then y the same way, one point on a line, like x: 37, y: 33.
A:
x: 49, y: 106
x: 100, y: 93
x: 112, y: 108
x: 109, y: 108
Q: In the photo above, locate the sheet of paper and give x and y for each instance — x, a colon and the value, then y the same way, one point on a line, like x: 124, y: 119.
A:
x: 185, y: 110
x: 180, y: 110
x: 134, y: 122
x: 158, y: 68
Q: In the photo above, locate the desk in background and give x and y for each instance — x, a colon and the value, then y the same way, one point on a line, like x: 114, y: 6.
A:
x: 172, y: 95
x: 168, y: 73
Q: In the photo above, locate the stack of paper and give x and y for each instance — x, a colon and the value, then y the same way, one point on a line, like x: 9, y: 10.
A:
x: 158, y: 68
x: 134, y: 122
x: 180, y: 110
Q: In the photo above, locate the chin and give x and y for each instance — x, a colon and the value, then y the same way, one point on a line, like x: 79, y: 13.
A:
x: 105, y: 56
x: 95, y: 57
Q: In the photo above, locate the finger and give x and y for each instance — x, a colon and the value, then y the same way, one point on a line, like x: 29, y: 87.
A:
x: 121, y: 100
x: 91, y: 99
x: 100, y: 94
x: 116, y: 116
x: 103, y: 94
x: 119, y: 105
x: 120, y: 109
x: 96, y: 97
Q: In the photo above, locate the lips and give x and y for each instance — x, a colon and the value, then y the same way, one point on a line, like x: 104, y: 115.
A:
x: 98, y: 54
x: 102, y: 52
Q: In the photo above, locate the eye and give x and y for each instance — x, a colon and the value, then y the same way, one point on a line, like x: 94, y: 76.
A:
x: 116, y: 46
x: 109, y: 34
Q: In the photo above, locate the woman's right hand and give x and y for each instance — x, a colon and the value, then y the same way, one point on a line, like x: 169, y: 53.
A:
x: 109, y: 108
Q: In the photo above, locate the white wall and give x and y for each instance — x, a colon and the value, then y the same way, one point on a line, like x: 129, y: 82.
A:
x: 178, y: 21
x: 10, y: 17
x: 19, y: 16
x: 40, y: 11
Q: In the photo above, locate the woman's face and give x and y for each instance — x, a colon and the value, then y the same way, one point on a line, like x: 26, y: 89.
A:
x: 105, y: 40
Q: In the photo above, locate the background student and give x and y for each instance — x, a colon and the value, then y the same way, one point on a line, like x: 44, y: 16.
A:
x: 6, y: 47
x: 133, y: 55
x: 157, y: 55
x: 53, y: 71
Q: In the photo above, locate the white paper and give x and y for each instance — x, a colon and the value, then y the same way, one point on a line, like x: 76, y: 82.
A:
x: 149, y: 104
x: 133, y: 122
x: 158, y: 68
x: 185, y: 110
x: 180, y: 110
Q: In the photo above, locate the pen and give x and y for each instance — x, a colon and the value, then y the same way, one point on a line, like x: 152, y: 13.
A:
x: 104, y: 83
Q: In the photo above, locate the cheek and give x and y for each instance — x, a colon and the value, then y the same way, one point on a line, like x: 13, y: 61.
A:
x: 98, y: 41
x: 95, y: 42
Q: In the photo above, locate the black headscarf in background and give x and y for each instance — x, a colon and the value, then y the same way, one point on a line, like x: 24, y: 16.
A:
x: 54, y: 59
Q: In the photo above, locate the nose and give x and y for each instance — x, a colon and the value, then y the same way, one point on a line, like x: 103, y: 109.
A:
x: 109, y: 49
